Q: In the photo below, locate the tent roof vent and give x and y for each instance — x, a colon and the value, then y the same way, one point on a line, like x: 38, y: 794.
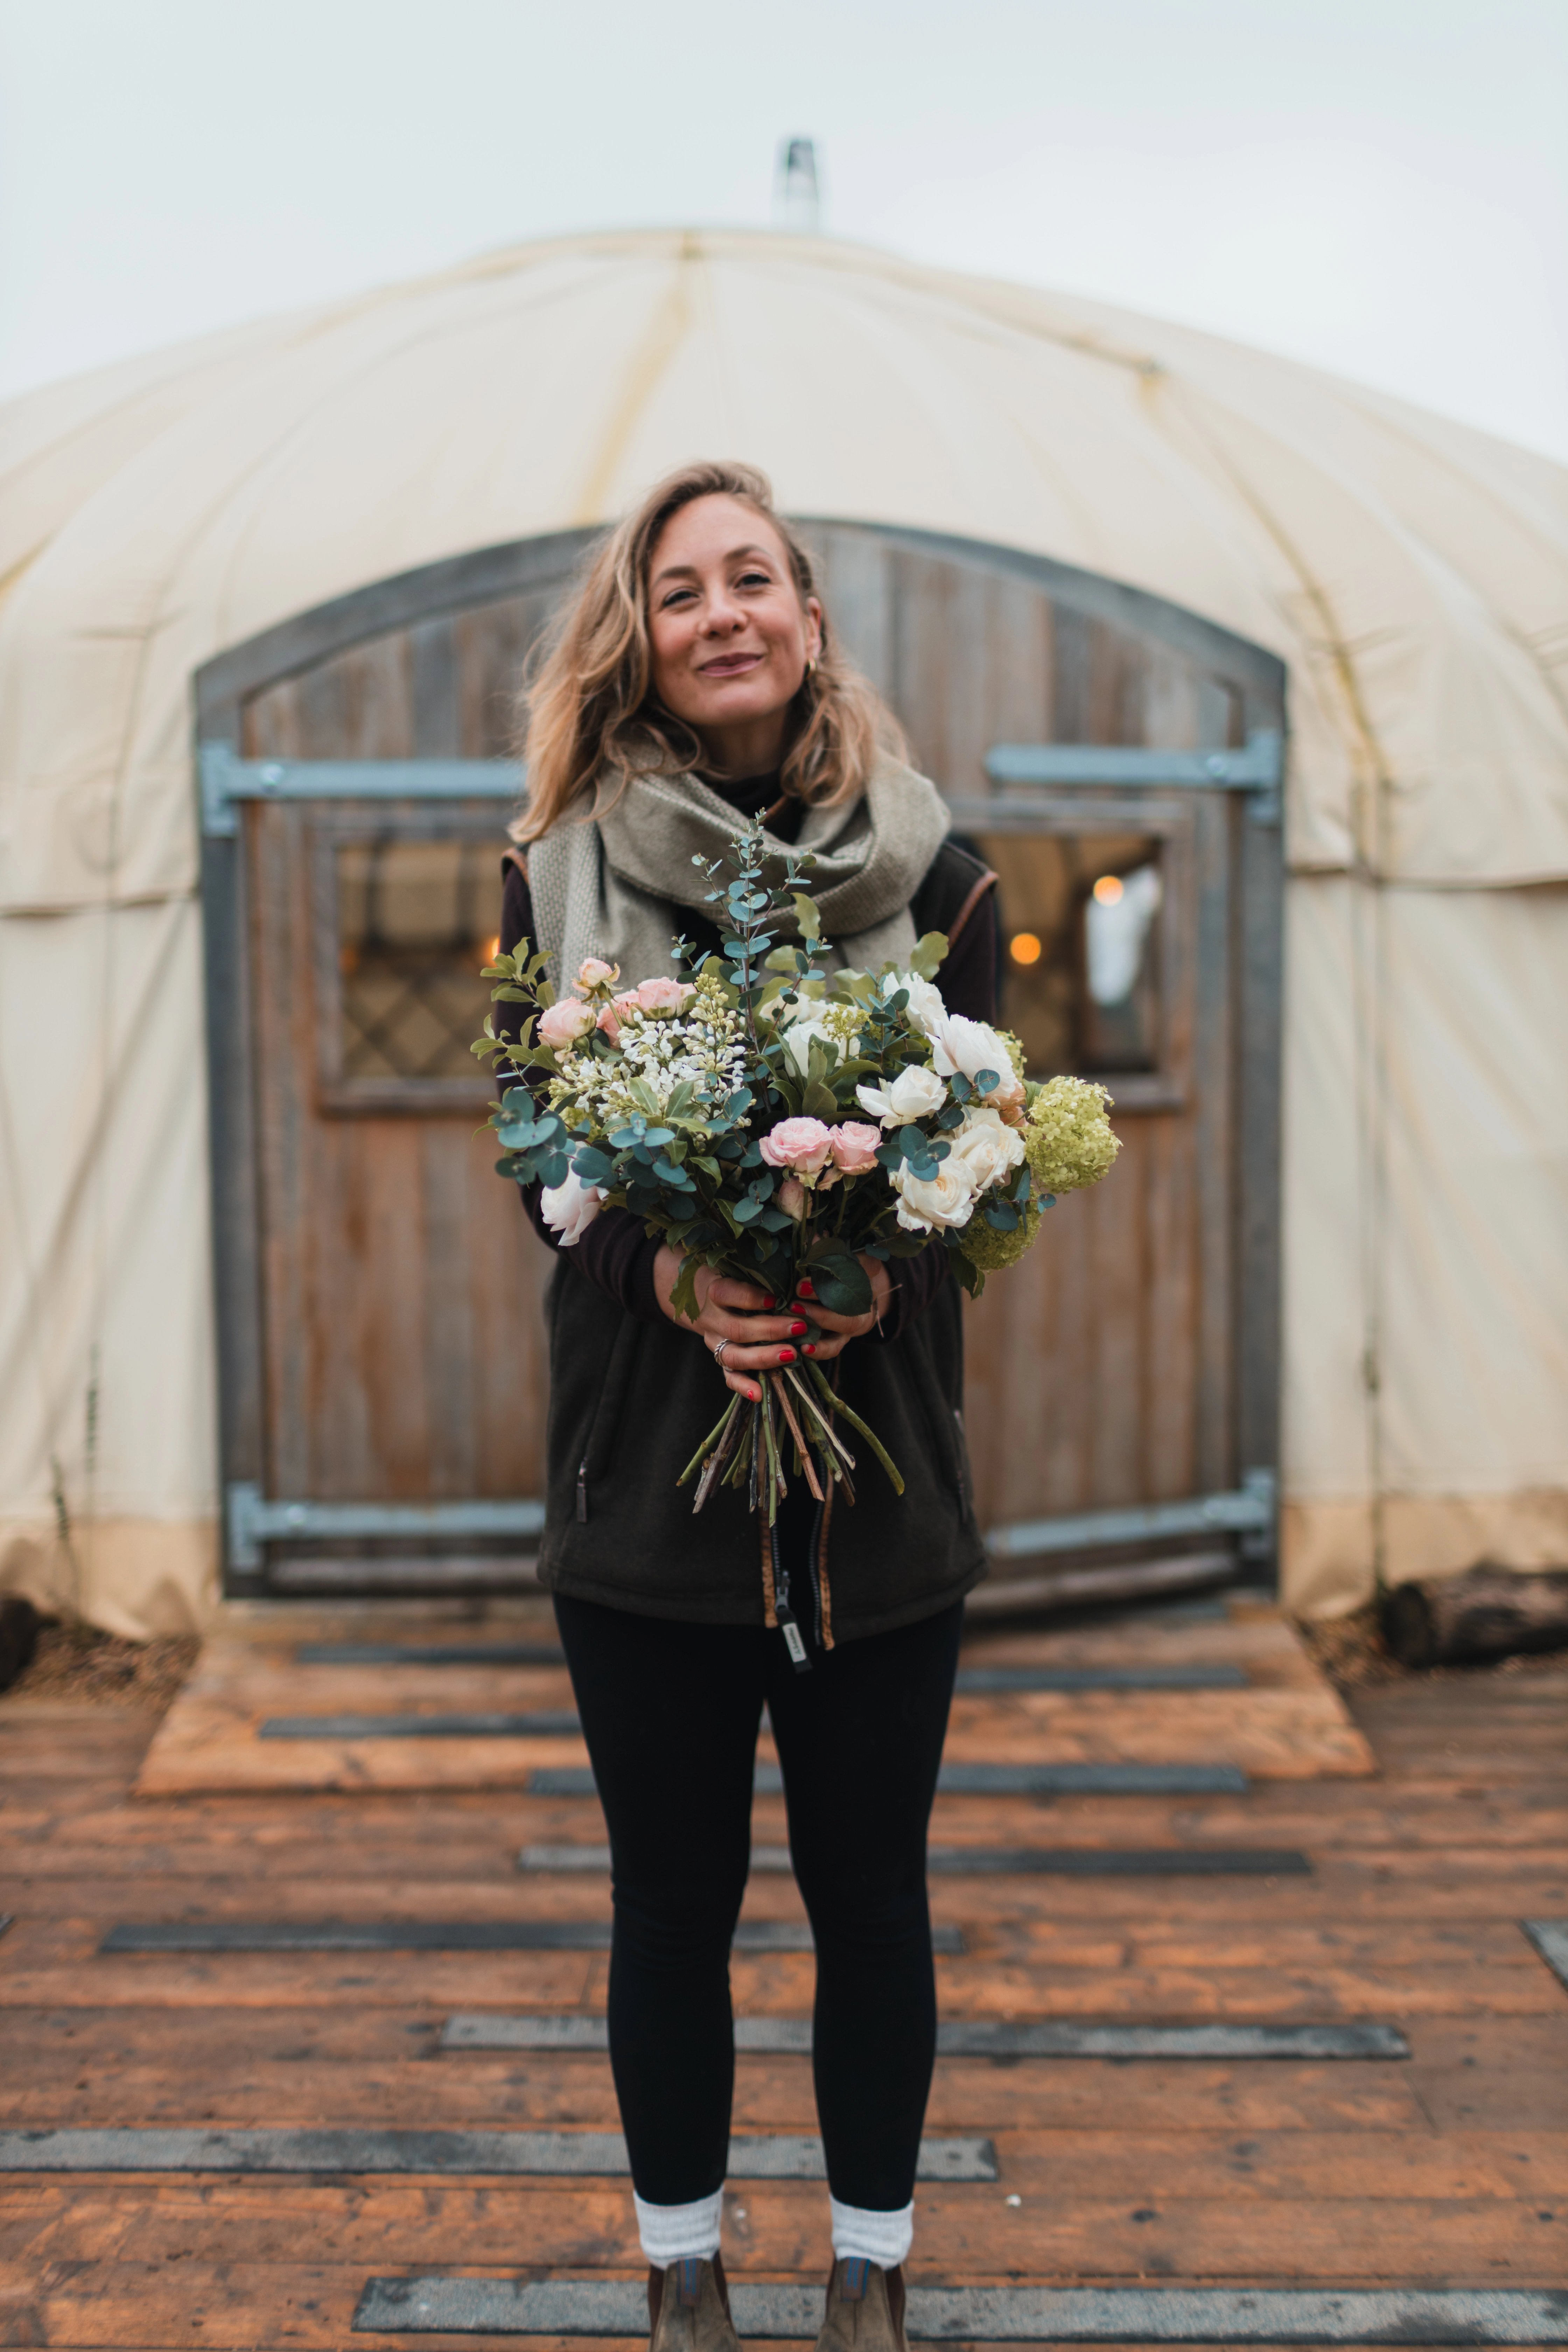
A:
x: 797, y: 202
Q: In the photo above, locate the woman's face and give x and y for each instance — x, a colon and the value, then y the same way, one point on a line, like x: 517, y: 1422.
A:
x: 730, y: 638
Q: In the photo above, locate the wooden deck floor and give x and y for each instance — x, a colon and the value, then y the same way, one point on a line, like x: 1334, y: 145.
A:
x: 1449, y: 2168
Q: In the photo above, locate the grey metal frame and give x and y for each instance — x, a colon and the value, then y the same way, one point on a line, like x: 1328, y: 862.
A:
x: 226, y: 780
x: 1257, y: 769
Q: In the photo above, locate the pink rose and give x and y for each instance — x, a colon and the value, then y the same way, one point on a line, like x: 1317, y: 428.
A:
x: 562, y: 1024
x: 793, y: 1198
x: 854, y: 1146
x: 609, y: 1024
x: 594, y: 973
x: 663, y: 995
x: 804, y: 1146
x: 1009, y: 1098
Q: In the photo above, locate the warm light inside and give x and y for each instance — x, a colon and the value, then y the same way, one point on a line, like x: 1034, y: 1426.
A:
x: 492, y: 948
x: 1024, y: 948
x: 1108, y: 889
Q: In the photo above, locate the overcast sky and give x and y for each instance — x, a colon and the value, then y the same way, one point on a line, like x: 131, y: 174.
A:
x: 1380, y: 186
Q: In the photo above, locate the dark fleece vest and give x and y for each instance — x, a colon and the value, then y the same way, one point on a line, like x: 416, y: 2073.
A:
x: 630, y: 1403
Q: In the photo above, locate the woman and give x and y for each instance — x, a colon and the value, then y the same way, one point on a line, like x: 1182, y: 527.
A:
x: 691, y: 683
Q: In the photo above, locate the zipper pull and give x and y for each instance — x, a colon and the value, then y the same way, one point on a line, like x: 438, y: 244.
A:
x: 583, y: 1491
x: 795, y: 1641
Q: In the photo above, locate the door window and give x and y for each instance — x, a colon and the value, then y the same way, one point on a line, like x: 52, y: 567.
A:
x: 1082, y: 978
x: 405, y: 924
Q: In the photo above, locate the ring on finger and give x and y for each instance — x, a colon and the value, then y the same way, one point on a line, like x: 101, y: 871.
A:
x: 719, y: 1349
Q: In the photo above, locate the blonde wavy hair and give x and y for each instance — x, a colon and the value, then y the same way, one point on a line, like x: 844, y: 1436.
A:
x: 589, y: 714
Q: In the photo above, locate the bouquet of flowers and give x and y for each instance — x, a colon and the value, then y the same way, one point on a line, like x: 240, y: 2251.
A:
x: 776, y: 1123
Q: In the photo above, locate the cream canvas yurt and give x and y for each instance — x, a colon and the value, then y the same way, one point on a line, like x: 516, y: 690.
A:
x: 1411, y: 575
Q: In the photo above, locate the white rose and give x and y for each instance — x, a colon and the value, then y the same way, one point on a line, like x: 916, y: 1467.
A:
x: 926, y: 1202
x: 915, y: 1093
x: 925, y: 1006
x: 571, y: 1207
x: 961, y: 1045
x: 970, y: 1046
x: 986, y: 1149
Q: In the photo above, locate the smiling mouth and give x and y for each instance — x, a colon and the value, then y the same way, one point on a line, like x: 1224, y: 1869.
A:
x: 730, y: 665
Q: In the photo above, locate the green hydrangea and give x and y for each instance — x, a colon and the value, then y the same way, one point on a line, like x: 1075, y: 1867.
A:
x: 1069, y: 1144
x: 1067, y: 1137
x: 988, y: 1251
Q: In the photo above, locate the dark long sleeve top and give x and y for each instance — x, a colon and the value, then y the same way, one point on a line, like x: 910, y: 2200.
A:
x: 614, y: 1252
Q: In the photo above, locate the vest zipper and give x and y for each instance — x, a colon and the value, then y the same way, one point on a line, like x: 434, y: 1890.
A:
x: 583, y: 1491
x: 794, y: 1641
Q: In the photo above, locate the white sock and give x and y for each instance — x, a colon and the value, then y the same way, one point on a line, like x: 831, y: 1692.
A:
x: 881, y: 2238
x: 671, y: 2233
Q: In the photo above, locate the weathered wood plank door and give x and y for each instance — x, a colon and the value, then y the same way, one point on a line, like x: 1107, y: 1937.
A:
x: 1123, y: 1382
x: 379, y: 1292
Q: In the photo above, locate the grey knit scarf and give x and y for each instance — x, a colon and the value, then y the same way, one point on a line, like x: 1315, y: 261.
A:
x: 617, y: 884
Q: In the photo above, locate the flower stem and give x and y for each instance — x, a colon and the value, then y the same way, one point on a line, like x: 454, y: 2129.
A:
x: 718, y: 1460
x: 710, y: 1442
x: 775, y: 1475
x: 872, y: 1440
x: 821, y: 1423
x: 804, y: 1450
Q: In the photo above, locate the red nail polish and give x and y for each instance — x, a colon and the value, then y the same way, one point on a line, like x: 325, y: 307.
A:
x: 798, y: 1330
x: 804, y: 1289
x: 809, y: 1350
x: 786, y: 1355
x: 768, y: 1300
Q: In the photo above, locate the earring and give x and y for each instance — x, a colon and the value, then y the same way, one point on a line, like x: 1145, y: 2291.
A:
x: 811, y: 665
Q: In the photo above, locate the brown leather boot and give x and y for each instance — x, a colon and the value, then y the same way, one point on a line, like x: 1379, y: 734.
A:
x: 688, y: 2309
x: 865, y: 2309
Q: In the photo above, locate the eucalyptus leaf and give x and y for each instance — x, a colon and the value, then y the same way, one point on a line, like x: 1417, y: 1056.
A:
x: 841, y: 1282
x: 928, y: 954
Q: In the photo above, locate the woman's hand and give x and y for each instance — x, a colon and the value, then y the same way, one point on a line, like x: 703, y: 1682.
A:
x: 833, y: 1332
x: 757, y: 1336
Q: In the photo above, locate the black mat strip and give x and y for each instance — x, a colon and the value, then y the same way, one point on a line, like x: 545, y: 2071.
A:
x: 988, y: 1781
x: 972, y: 2038
x: 762, y: 2156
x: 997, y: 2314
x: 430, y: 1653
x: 975, y: 1680
x: 1004, y: 1861
x: 1111, y: 1862
x: 1550, y: 1938
x: 431, y: 1935
x: 549, y: 1726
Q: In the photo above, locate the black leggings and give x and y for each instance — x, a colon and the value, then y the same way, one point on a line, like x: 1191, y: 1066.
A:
x: 671, y: 1712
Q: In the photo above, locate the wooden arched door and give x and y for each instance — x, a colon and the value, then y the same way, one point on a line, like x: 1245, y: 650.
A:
x: 1115, y: 758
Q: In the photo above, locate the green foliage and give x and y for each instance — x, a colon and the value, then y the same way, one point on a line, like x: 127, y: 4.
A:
x: 929, y: 954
